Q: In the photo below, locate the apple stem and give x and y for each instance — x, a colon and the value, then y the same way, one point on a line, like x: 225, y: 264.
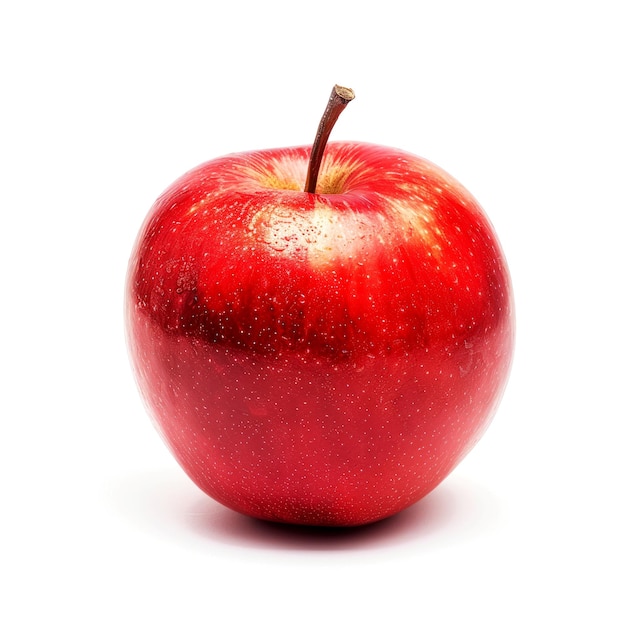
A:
x: 338, y: 101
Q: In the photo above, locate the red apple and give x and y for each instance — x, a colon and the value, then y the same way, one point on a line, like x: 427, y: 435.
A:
x: 325, y: 357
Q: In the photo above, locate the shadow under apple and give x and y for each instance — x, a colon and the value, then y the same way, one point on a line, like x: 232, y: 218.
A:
x: 169, y: 503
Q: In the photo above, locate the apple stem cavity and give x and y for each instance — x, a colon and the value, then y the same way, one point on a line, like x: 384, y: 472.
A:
x: 338, y: 101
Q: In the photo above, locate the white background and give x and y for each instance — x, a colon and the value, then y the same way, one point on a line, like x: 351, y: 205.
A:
x: 104, y: 105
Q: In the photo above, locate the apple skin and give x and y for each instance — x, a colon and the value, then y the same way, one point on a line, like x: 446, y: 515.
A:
x: 320, y: 359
